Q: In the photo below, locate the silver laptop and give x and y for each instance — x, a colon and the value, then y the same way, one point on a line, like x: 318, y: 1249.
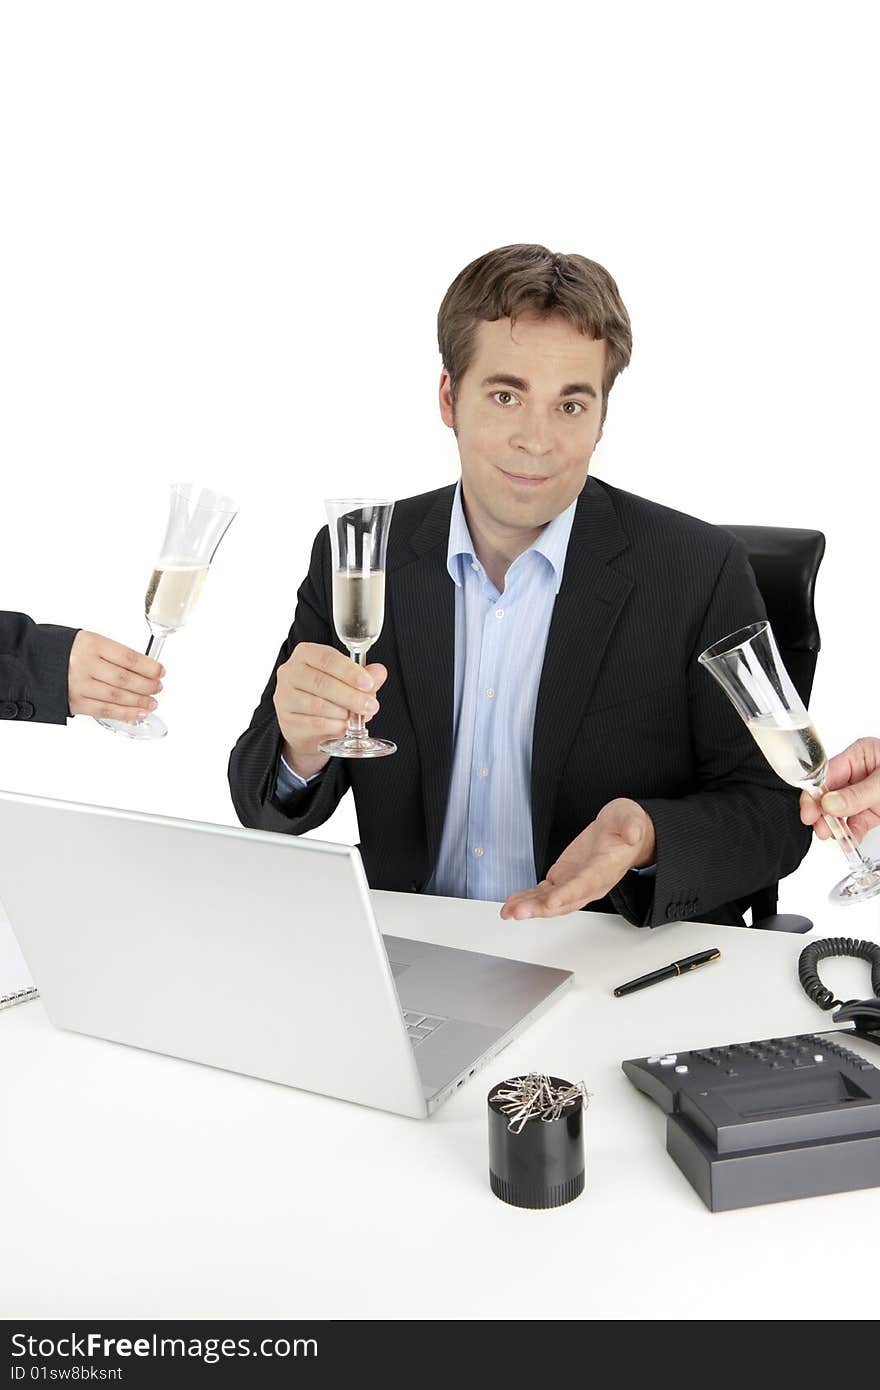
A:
x: 251, y: 951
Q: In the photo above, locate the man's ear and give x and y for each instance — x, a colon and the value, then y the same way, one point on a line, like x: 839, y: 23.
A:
x: 447, y: 408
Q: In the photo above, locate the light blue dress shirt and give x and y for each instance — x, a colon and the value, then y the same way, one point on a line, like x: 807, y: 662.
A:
x: 486, y: 847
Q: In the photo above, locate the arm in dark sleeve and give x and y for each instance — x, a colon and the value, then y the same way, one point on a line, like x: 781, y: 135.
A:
x: 34, y: 658
x: 739, y: 830
x: 253, y: 763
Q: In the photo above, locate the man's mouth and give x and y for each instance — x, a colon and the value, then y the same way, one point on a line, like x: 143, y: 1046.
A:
x: 524, y: 479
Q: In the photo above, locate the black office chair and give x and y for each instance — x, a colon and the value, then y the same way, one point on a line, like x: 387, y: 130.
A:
x: 786, y: 562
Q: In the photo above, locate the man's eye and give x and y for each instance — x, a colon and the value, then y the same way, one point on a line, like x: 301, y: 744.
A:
x: 578, y: 409
x: 508, y: 396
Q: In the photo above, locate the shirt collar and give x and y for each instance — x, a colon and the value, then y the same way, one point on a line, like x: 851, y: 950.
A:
x: 552, y: 543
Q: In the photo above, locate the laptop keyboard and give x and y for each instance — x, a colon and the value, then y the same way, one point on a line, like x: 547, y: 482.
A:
x: 421, y: 1026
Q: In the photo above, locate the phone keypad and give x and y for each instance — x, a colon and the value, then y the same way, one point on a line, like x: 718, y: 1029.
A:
x: 777, y: 1054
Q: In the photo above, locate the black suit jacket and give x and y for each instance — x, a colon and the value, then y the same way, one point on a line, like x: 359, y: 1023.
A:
x: 623, y: 709
x: 33, y: 669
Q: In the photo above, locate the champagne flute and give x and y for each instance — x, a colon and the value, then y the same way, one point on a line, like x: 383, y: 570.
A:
x: 198, y: 519
x: 750, y: 671
x: 359, y: 530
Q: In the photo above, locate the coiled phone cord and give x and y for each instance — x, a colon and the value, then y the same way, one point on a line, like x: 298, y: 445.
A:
x: 835, y: 946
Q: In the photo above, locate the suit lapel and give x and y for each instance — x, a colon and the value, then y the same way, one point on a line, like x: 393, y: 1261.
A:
x: 421, y: 601
x: 585, y: 613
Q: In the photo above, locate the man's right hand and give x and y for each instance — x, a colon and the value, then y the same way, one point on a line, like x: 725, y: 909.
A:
x: 314, y: 692
x: 853, y: 783
x: 109, y: 681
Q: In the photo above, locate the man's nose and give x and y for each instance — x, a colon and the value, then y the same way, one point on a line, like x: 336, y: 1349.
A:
x: 532, y: 436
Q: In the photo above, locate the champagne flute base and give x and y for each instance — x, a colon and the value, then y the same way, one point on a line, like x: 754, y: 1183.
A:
x: 349, y: 747
x: 857, y: 888
x: 150, y: 728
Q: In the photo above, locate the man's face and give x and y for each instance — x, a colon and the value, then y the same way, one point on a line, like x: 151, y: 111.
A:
x: 527, y: 419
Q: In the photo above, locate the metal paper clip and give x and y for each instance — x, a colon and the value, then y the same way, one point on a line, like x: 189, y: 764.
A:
x: 535, y: 1097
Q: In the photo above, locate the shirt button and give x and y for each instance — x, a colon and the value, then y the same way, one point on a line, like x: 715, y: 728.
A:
x: 479, y: 853
x: 490, y: 693
x: 484, y: 772
x: 475, y: 566
x: 499, y: 612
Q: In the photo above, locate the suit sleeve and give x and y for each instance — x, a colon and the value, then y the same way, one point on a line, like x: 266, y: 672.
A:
x: 739, y: 830
x: 254, y: 761
x: 34, y: 658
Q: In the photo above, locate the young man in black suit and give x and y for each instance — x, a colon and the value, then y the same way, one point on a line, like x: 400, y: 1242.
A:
x: 48, y: 673
x: 597, y: 764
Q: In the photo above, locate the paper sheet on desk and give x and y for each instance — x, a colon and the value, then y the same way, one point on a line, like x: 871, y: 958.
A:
x: 14, y: 974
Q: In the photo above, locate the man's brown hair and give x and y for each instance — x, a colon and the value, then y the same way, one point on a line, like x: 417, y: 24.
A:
x: 522, y: 279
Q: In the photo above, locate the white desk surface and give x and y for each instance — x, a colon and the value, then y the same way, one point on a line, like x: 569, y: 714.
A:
x: 135, y: 1185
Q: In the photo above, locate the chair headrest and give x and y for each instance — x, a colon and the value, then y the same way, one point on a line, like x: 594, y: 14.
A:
x: 785, y: 561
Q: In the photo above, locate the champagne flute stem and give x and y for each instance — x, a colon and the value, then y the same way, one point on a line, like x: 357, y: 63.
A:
x: 843, y: 835
x: 154, y: 646
x: 356, y: 726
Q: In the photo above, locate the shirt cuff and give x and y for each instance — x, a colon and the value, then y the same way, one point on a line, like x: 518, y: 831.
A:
x: 646, y: 872
x: 288, y: 782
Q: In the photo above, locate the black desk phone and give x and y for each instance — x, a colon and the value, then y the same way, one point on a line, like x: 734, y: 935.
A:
x: 776, y: 1118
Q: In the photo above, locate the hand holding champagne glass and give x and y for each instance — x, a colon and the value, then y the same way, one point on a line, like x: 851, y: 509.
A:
x: 109, y: 681
x: 198, y: 520
x: 750, y: 671
x: 315, y: 691
x: 853, y: 778
x: 359, y: 529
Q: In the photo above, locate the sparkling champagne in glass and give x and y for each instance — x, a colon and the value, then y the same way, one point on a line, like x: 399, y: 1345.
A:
x: 359, y: 529
x: 198, y: 519
x: 750, y: 671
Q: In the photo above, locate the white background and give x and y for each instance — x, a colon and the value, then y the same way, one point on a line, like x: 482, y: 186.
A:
x: 226, y: 231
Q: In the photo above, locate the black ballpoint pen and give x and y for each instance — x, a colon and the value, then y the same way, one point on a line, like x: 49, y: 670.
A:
x: 669, y: 972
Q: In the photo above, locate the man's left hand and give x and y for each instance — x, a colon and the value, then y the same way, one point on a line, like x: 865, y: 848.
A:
x: 620, y: 838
